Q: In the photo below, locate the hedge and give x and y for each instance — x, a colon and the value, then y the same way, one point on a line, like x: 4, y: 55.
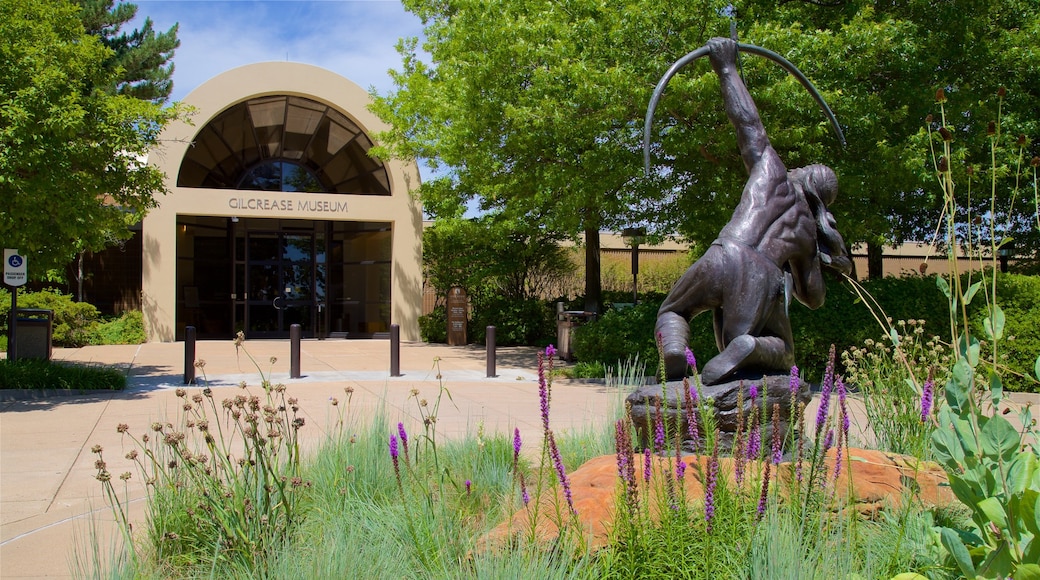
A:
x: 843, y: 321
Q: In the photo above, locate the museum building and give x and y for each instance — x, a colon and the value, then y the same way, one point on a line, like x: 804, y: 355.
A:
x: 276, y: 215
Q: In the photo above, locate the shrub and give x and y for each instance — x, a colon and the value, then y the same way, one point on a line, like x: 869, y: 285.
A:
x: 128, y: 328
x: 433, y: 327
x: 74, y: 322
x: 517, y: 322
x: 1018, y: 297
x: 47, y: 375
x: 618, y: 335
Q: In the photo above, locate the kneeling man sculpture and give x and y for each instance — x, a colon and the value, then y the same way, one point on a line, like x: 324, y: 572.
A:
x: 775, y: 246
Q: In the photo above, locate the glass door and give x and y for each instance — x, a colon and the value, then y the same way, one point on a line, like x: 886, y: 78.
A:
x: 279, y: 283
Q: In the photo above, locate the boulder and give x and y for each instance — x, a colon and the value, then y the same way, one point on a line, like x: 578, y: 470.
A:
x: 880, y: 481
x: 776, y: 389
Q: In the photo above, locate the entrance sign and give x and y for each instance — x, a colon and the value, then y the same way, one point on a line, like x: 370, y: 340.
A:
x: 457, y: 303
x: 14, y: 268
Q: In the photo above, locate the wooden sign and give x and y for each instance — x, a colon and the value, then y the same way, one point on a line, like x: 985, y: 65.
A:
x: 458, y: 306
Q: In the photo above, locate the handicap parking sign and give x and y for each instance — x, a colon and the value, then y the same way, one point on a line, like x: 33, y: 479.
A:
x: 14, y: 268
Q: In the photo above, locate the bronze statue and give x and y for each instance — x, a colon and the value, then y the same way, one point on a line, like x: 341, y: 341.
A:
x: 776, y: 244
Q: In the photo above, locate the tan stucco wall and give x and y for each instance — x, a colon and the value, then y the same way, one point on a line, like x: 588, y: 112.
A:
x: 277, y: 78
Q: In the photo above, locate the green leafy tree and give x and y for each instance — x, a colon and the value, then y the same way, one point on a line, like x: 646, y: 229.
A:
x: 880, y: 64
x: 72, y: 169
x: 535, y: 109
x: 493, y: 256
x: 141, y: 59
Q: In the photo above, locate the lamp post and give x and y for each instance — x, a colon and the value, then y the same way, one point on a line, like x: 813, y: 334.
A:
x: 1004, y: 251
x: 633, y: 237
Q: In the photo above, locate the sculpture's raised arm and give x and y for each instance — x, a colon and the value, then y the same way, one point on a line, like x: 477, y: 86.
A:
x: 740, y: 108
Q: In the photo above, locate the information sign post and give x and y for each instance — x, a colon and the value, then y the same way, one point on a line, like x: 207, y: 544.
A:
x: 14, y: 276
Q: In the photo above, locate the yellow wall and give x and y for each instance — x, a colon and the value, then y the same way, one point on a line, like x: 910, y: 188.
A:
x: 159, y: 278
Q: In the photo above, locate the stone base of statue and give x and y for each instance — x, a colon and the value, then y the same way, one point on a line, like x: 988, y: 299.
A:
x: 776, y: 389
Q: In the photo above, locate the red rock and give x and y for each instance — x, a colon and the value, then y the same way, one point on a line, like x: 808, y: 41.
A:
x: 880, y: 481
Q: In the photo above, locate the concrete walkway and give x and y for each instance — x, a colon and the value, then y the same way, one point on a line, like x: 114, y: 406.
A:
x: 48, y: 492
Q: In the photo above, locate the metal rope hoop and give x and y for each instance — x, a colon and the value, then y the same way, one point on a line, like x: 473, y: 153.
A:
x: 749, y: 48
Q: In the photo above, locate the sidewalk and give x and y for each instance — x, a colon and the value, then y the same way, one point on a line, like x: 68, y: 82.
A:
x: 47, y: 486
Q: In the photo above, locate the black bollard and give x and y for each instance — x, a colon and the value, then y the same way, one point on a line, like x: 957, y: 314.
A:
x: 490, y: 334
x: 189, y: 355
x: 295, y: 332
x: 395, y: 350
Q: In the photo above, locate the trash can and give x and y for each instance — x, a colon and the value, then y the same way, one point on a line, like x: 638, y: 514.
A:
x: 35, y: 326
x: 566, y: 321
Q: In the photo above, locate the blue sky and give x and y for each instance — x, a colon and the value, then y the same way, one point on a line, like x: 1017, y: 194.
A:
x: 355, y: 39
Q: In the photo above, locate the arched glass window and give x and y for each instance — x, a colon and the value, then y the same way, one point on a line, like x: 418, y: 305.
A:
x: 280, y: 176
x: 283, y: 143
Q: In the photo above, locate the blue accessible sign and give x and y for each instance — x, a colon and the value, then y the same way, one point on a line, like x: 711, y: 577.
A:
x: 14, y: 268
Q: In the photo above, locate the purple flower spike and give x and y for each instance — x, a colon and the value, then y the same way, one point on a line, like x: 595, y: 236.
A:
x: 691, y: 360
x: 550, y: 351
x: 393, y: 457
x: 680, y: 469
x: 825, y: 403
x: 561, y: 473
x: 753, y: 393
x: 828, y: 440
x: 516, y: 447
x: 709, y: 486
x: 646, y: 465
x: 469, y: 484
x: 404, y: 439
x: 926, y: 400
x: 796, y: 383
x: 754, y: 445
x: 659, y: 428
x: 842, y: 406
x: 543, y: 393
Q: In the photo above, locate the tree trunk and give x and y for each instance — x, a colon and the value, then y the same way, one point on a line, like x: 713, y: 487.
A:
x: 875, y: 262
x: 593, y: 285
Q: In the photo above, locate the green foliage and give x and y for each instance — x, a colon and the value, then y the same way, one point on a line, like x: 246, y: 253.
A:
x: 492, y: 254
x: 74, y: 322
x: 1019, y: 297
x: 77, y: 324
x: 890, y: 382
x: 995, y: 474
x: 619, y: 334
x: 71, y: 174
x: 140, y: 60
x: 516, y: 321
x: 127, y: 328
x: 587, y: 370
x: 46, y: 375
x: 224, y: 475
x: 842, y: 321
x: 992, y: 469
x: 433, y: 327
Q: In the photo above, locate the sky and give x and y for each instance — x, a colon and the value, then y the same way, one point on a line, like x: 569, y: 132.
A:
x: 353, y: 38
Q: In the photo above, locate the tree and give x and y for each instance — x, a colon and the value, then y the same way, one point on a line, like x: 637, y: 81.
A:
x: 492, y: 255
x: 140, y: 60
x: 536, y: 108
x: 883, y: 62
x: 72, y: 169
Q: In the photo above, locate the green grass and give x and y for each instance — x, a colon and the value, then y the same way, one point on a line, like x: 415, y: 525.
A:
x: 39, y: 374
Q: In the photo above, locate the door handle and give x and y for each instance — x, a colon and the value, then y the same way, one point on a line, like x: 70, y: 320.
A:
x: 275, y: 302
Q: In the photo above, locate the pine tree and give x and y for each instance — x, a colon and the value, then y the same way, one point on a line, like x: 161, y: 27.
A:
x: 144, y: 55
